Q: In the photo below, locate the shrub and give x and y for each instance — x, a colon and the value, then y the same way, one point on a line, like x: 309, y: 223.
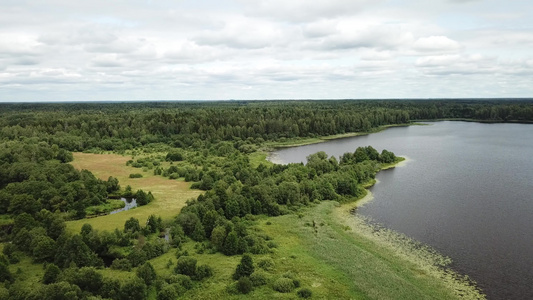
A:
x: 244, y: 285
x: 136, y: 175
x: 186, y: 265
x: 266, y: 264
x: 167, y: 292
x: 245, y: 268
x: 121, y: 264
x: 182, y: 280
x: 305, y: 293
x: 147, y: 273
x: 51, y: 274
x: 283, y: 285
x: 203, y: 271
x: 258, y: 278
x: 174, y: 155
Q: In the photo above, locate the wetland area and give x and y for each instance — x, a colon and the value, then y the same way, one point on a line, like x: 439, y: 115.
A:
x: 465, y: 191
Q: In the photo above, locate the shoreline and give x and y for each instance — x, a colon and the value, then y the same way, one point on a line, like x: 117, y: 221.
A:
x: 425, y: 257
x: 296, y: 142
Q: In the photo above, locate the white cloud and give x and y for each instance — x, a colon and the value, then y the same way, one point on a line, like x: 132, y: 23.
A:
x: 440, y: 44
x: 262, y: 49
x: 305, y: 11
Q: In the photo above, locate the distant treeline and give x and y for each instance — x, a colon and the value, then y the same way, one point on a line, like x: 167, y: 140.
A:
x: 121, y: 126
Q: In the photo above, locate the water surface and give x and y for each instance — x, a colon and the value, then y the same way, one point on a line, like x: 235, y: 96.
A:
x: 466, y: 191
x: 129, y: 203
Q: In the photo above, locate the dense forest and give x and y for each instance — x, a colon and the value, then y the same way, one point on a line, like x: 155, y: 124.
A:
x: 204, y: 143
x: 111, y: 126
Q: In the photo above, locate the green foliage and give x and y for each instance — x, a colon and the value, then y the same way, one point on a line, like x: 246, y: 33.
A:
x: 231, y: 244
x: 147, y: 273
x: 186, y: 265
x: 60, y: 291
x: 283, y: 285
x: 87, y: 278
x: 167, y: 292
x: 133, y: 289
x: 259, y: 278
x: 74, y: 250
x: 143, y: 198
x: 203, y: 271
x: 136, y: 175
x: 51, y: 274
x: 5, y: 274
x: 132, y: 225
x: 174, y: 155
x: 305, y: 293
x: 245, y: 268
x: 266, y: 264
x: 244, y: 285
x: 123, y: 264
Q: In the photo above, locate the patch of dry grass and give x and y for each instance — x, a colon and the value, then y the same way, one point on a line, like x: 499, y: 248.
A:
x: 170, y: 195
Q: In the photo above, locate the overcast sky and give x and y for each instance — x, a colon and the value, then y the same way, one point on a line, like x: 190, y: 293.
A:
x: 277, y: 49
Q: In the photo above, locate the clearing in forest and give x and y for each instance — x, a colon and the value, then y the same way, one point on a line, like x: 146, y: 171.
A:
x: 170, y: 195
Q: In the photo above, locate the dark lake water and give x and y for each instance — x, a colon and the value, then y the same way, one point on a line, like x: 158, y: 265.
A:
x: 466, y: 190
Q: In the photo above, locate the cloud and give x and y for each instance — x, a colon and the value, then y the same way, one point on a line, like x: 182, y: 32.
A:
x: 439, y: 44
x: 281, y: 49
x: 239, y: 32
x: 458, y: 65
x: 304, y: 11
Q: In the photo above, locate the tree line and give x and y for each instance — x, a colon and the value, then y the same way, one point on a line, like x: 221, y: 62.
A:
x: 120, y: 126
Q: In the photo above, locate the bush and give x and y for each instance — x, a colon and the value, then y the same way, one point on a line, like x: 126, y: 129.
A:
x: 186, y: 265
x: 147, y: 273
x: 182, y: 280
x: 121, y: 264
x: 266, y: 264
x: 283, y: 285
x: 203, y: 271
x: 245, y: 268
x: 258, y: 278
x: 51, y: 274
x: 136, y: 175
x: 244, y: 285
x: 174, y: 155
x: 305, y: 293
x: 167, y: 292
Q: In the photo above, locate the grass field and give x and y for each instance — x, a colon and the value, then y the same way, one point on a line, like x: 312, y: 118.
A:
x: 170, y: 195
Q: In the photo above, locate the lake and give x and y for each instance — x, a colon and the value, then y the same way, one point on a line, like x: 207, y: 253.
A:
x: 466, y: 190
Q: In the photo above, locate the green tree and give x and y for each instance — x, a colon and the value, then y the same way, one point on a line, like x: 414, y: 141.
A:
x: 218, y: 236
x: 167, y: 292
x: 5, y: 274
x: 231, y: 244
x: 74, y: 250
x: 186, y: 265
x: 132, y: 225
x: 51, y: 274
x: 133, y: 289
x: 245, y: 268
x: 147, y: 273
x: 244, y: 285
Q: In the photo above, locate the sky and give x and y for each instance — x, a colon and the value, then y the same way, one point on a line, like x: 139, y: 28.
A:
x: 68, y: 50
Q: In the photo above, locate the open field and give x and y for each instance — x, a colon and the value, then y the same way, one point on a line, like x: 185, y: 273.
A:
x: 170, y: 195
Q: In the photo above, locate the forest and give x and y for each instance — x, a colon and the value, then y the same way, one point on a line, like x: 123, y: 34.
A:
x: 211, y: 145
